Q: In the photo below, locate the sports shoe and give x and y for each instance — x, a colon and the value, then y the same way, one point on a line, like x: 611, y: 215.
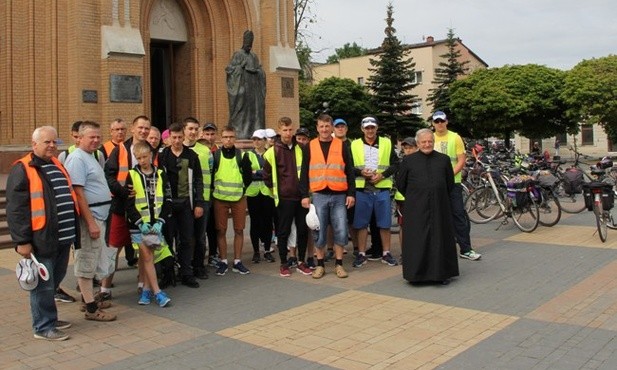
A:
x: 471, y: 255
x: 162, y: 299
x: 319, y: 272
x: 221, y: 268
x: 285, y: 271
x: 256, y: 258
x: 102, y: 296
x: 340, y: 271
x: 101, y: 304
x: 100, y: 315
x: 61, y: 324
x: 268, y: 257
x: 200, y: 273
x: 389, y: 260
x: 62, y: 296
x: 303, y: 269
x: 372, y: 256
x: 52, y: 334
x: 310, y: 263
x: 189, y: 281
x: 144, y: 299
x: 239, y: 268
x: 292, y: 262
x: 359, y: 261
x: 213, y: 261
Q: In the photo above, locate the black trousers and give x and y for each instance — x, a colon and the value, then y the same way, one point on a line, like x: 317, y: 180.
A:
x: 261, y: 212
x: 181, y: 229
x: 289, y: 211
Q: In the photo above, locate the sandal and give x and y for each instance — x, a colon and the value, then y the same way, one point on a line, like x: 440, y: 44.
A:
x: 340, y: 271
x: 101, y: 304
x: 100, y: 315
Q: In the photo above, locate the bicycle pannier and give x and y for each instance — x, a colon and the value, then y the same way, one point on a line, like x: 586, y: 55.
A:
x: 517, y: 190
x: 573, y: 181
x: 607, y: 195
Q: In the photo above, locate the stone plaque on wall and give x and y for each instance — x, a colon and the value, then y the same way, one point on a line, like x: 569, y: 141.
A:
x: 89, y: 96
x: 125, y: 89
x: 287, y: 87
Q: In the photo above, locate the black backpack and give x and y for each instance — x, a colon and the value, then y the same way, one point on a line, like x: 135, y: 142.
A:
x: 573, y: 181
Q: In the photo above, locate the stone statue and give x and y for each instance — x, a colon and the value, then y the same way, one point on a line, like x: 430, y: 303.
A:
x: 246, y: 90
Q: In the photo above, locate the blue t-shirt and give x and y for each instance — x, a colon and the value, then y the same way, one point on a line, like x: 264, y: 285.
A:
x: 86, y: 171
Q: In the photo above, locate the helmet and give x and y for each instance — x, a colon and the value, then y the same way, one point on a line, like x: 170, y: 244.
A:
x: 312, y: 221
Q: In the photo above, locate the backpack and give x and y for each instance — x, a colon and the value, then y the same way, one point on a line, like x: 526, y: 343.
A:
x: 573, y: 181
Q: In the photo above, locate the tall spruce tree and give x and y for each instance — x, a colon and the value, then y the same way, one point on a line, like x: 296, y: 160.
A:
x: 391, y: 83
x: 448, y: 71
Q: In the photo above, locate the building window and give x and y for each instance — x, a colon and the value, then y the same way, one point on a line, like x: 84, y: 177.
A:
x: 587, y: 135
x: 417, y: 78
x: 563, y: 138
x: 416, y: 107
x: 361, y: 81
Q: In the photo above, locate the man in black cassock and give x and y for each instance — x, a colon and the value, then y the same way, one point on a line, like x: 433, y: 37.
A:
x: 426, y: 179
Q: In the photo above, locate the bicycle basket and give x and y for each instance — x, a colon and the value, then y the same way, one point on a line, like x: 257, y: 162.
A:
x: 606, y: 191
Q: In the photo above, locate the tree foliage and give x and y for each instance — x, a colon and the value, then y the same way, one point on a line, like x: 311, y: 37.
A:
x: 347, y: 51
x: 449, y: 69
x: 303, y: 17
x: 391, y: 83
x: 590, y: 93
x: 516, y: 98
x: 345, y: 99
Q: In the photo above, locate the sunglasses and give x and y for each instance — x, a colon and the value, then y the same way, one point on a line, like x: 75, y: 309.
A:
x: 439, y: 121
x: 369, y: 120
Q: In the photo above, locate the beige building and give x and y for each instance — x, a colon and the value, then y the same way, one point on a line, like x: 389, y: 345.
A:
x: 62, y: 61
x: 426, y: 56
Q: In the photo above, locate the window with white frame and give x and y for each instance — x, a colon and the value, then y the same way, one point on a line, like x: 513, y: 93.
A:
x: 417, y: 78
x: 416, y: 107
x: 361, y: 81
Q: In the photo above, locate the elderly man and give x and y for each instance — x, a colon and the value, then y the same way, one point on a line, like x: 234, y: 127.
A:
x: 42, y: 214
x: 426, y: 179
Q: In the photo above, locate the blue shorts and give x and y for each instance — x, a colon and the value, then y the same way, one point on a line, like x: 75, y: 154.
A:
x: 369, y: 202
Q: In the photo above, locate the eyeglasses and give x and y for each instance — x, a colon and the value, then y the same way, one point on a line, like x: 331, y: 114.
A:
x: 439, y: 121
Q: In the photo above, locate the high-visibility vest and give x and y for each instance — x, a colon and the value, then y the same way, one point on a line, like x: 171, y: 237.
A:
x: 37, y: 198
x: 203, y: 152
x: 451, y: 152
x: 123, y: 164
x: 271, y: 158
x: 228, y: 185
x: 142, y: 203
x: 327, y: 173
x: 257, y: 186
x: 383, y: 162
x: 108, y: 147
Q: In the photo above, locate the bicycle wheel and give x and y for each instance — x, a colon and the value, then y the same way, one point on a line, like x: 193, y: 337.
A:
x: 610, y: 222
x: 549, y: 208
x: 527, y: 217
x: 481, y: 206
x: 570, y: 203
x: 601, y: 219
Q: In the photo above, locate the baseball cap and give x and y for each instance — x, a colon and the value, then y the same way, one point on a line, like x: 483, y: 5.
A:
x: 210, y: 126
x: 303, y: 131
x: 270, y: 133
x: 369, y: 121
x: 339, y: 121
x: 165, y: 134
x: 439, y: 115
x: 27, y: 274
x: 409, y: 141
x: 260, y: 134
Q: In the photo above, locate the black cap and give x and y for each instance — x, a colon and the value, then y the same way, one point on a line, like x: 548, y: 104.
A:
x: 210, y: 126
x: 303, y: 131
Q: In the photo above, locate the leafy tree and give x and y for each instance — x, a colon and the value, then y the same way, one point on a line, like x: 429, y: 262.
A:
x: 448, y: 70
x: 347, y: 51
x: 590, y: 93
x: 391, y: 84
x: 516, y: 98
x: 303, y: 17
x: 345, y: 99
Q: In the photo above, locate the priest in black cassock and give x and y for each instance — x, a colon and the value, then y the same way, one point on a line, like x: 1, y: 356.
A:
x: 426, y: 179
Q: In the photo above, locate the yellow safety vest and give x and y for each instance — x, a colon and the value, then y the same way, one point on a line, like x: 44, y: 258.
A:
x: 385, y: 149
x: 228, y: 185
x: 270, y: 157
x: 141, y: 198
x: 203, y: 152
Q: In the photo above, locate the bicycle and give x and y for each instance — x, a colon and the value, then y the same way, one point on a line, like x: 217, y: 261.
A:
x: 599, y: 198
x: 486, y: 203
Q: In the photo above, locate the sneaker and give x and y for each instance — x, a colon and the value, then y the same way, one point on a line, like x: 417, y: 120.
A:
x: 269, y: 257
x: 132, y: 262
x: 319, y: 272
x: 359, y: 261
x: 303, y: 269
x: 102, y: 296
x: 101, y: 304
x: 53, y: 334
x: 201, y: 273
x: 256, y: 258
x: 329, y: 256
x: 389, y: 260
x: 144, y: 299
x: 285, y: 271
x: 162, y: 299
x: 189, y: 281
x: 100, y: 315
x: 62, y: 325
x: 239, y: 268
x: 471, y: 255
x: 310, y: 263
x: 62, y: 296
x: 292, y: 262
x: 373, y: 257
x: 221, y: 268
x: 340, y: 271
x: 213, y: 261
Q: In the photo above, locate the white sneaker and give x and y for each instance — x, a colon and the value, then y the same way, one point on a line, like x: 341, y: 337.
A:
x: 471, y: 255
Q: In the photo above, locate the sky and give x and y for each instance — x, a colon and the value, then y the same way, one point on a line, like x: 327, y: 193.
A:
x: 554, y: 33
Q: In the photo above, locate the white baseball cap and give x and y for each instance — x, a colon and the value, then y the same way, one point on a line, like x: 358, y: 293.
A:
x: 312, y: 221
x: 27, y: 274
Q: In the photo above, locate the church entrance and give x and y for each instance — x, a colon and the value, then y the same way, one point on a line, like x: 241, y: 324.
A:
x: 162, y: 84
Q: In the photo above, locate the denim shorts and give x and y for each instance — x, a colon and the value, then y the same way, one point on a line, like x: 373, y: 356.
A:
x: 331, y: 210
x: 369, y: 202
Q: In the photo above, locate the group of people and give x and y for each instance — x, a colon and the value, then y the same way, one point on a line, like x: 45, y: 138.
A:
x: 165, y: 199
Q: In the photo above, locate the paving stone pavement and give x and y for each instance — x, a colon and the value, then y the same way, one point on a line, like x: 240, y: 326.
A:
x: 544, y: 300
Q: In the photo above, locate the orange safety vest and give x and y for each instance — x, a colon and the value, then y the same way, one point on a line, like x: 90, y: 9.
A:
x: 327, y: 174
x: 108, y: 147
x: 123, y: 164
x: 37, y: 199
